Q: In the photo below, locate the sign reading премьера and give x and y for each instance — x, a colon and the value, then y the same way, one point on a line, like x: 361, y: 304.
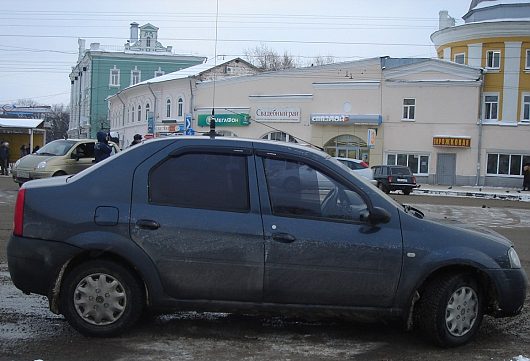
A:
x: 459, y: 142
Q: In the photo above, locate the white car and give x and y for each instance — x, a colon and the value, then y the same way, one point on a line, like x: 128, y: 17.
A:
x: 358, y: 166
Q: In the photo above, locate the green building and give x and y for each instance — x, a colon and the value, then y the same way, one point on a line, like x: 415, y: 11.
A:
x: 101, y: 71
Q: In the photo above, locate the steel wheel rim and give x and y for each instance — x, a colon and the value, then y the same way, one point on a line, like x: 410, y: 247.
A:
x: 461, y: 311
x: 100, y: 299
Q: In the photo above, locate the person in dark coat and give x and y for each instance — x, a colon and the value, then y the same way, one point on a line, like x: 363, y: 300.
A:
x: 4, y: 158
x: 137, y: 139
x: 526, y: 177
x: 102, y: 149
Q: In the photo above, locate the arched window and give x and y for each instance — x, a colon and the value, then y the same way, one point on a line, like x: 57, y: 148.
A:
x: 139, y: 113
x: 148, y: 42
x: 180, y: 107
x: 132, y: 114
x: 147, y: 107
x: 168, y: 108
x: 347, y: 146
x: 280, y: 136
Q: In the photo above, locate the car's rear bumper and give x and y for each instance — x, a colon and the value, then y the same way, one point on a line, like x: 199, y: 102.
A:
x: 34, y: 263
x: 510, y: 287
x: 402, y: 186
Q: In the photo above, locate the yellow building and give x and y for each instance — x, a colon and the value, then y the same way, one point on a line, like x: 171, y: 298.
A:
x: 496, y: 37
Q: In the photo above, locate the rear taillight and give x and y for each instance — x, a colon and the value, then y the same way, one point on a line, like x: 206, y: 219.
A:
x: 18, y: 223
x: 364, y: 164
x: 390, y: 179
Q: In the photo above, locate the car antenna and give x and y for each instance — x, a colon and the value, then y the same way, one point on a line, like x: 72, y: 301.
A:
x: 212, y: 132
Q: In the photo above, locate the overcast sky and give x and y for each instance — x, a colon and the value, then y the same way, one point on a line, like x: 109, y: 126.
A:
x: 38, y: 39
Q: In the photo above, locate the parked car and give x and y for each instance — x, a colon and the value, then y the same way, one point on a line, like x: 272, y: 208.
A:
x: 358, y: 166
x: 59, y: 157
x: 198, y: 223
x: 394, y: 178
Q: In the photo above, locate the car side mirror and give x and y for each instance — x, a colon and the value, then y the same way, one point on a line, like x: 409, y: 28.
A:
x: 377, y: 215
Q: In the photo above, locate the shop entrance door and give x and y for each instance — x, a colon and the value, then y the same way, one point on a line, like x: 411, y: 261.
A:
x: 446, y: 169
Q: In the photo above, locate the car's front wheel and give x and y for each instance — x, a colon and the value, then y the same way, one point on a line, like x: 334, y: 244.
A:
x: 450, y: 310
x: 101, y: 298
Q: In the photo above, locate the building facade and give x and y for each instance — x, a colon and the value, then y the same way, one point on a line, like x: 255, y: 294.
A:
x: 495, y: 36
x: 381, y: 110
x: 102, y: 71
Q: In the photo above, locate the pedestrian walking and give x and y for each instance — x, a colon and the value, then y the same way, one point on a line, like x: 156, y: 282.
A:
x: 526, y: 177
x: 4, y: 158
x: 102, y: 149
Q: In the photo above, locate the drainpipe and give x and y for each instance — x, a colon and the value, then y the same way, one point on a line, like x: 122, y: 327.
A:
x: 154, y: 106
x: 479, y: 145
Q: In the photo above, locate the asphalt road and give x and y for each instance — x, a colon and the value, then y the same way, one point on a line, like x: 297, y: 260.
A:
x: 29, y: 331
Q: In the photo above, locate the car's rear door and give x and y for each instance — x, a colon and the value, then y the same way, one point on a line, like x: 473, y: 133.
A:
x: 318, y: 249
x: 196, y: 213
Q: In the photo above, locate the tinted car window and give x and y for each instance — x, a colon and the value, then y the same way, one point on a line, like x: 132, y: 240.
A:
x: 400, y: 171
x: 201, y: 180
x: 351, y: 164
x: 85, y: 150
x: 297, y: 189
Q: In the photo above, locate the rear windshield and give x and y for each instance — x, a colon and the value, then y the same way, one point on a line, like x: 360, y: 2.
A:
x: 400, y: 171
x: 57, y: 147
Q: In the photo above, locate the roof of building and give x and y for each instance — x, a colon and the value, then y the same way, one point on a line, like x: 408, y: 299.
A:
x: 20, y: 123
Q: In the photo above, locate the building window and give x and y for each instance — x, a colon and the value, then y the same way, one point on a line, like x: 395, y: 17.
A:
x: 280, y: 136
x: 168, y: 108
x: 491, y: 107
x: 409, y: 109
x: 460, y: 58
x: 148, y: 42
x: 180, y: 108
x: 159, y: 72
x: 526, y: 108
x: 527, y: 63
x: 493, y: 59
x: 139, y: 113
x: 114, y: 77
x: 418, y: 164
x: 136, y: 76
x: 147, y: 107
x: 132, y: 114
x: 506, y: 164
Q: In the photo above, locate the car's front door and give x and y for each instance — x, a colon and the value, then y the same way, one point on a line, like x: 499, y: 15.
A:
x: 319, y: 250
x: 196, y: 213
x: 81, y: 157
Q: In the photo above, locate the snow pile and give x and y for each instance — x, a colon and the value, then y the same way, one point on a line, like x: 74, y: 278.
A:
x: 521, y: 358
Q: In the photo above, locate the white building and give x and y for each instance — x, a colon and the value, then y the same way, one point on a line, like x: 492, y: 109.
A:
x: 423, y: 112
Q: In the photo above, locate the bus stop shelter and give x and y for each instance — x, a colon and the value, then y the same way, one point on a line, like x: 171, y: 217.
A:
x: 18, y: 131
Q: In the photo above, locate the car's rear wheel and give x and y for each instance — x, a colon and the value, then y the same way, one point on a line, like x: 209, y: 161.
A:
x: 406, y: 191
x: 450, y: 310
x: 101, y: 298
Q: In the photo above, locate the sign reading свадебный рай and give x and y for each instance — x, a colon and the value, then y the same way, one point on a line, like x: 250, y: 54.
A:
x: 279, y: 115
x: 224, y: 120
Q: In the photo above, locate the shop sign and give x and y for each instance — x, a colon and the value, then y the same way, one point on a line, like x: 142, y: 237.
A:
x: 459, y: 142
x: 225, y: 120
x: 346, y: 119
x: 150, y: 122
x: 279, y: 115
x: 371, y: 138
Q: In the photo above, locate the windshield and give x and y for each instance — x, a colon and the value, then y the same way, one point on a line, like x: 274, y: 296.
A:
x: 57, y: 147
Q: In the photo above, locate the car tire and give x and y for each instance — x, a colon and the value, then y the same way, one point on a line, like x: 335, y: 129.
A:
x: 406, y: 191
x: 101, y: 298
x: 450, y: 310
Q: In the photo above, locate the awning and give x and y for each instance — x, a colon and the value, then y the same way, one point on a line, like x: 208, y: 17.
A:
x: 20, y: 123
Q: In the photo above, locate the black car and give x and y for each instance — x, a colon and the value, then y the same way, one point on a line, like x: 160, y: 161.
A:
x: 394, y: 178
x: 210, y: 224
